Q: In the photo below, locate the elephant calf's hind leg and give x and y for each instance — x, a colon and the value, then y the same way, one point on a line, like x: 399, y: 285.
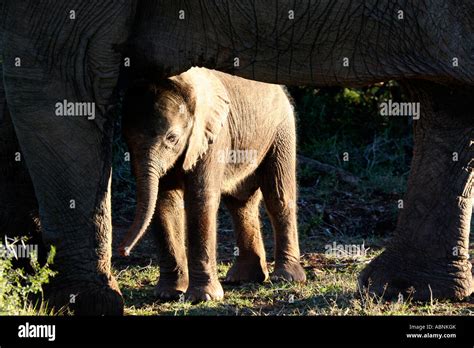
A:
x: 250, y: 264
x: 278, y: 185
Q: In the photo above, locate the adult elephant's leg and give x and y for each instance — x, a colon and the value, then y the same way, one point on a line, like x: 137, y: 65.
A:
x: 69, y: 158
x: 18, y: 206
x: 429, y: 252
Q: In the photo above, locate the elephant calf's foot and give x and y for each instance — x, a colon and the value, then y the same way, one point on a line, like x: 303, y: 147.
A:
x: 85, y: 299
x: 168, y: 293
x: 247, y: 271
x: 290, y: 271
x: 201, y: 293
x: 171, y: 290
x: 389, y: 275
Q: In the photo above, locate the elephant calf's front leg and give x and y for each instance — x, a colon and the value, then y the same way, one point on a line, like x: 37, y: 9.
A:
x: 168, y: 226
x: 202, y: 264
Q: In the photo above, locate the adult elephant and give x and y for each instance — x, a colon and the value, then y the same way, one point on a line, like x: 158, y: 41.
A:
x: 75, y: 51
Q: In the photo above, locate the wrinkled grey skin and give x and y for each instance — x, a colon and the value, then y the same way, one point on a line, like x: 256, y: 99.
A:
x: 179, y: 132
x: 80, y: 60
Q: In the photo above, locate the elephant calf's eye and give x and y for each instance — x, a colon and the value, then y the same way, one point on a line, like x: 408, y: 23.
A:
x: 172, y: 138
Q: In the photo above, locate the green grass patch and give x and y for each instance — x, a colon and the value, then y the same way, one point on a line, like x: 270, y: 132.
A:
x: 331, y: 289
x: 18, y: 288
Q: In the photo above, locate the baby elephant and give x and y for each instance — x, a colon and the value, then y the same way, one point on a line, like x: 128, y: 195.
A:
x: 193, y: 139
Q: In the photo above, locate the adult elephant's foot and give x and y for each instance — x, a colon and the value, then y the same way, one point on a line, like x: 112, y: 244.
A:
x: 391, y: 274
x: 171, y: 287
x: 247, y: 271
x: 290, y: 271
x: 86, y: 298
x: 211, y: 291
x: 428, y: 256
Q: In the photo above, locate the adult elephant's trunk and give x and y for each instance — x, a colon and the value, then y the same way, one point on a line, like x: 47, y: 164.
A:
x: 147, y: 193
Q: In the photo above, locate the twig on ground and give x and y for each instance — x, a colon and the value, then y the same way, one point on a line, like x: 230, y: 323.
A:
x: 329, y: 169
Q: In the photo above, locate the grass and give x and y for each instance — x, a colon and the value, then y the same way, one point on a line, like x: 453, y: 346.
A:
x: 331, y: 289
x: 18, y: 287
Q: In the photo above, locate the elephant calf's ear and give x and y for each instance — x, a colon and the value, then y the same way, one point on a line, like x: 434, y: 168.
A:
x: 210, y: 111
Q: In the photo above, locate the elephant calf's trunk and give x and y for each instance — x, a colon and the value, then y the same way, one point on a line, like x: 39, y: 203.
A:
x: 147, y: 192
